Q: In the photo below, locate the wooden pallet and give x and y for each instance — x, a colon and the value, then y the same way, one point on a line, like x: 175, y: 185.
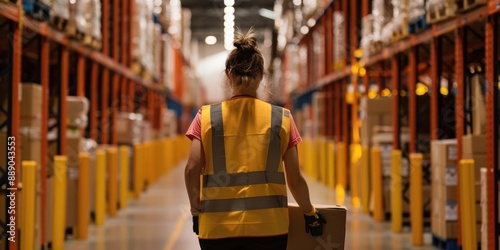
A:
x: 418, y: 25
x: 400, y: 32
x: 437, y: 14
x: 376, y: 47
x: 471, y: 4
x: 449, y: 244
x: 63, y: 25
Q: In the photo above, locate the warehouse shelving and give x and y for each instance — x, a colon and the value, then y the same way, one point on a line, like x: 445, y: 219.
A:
x: 90, y: 67
x: 464, y: 32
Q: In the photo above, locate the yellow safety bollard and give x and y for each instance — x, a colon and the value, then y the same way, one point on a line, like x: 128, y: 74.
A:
x: 322, y: 160
x: 169, y: 154
x: 124, y: 168
x: 396, y: 192
x: 147, y: 158
x: 377, y: 188
x: 164, y: 153
x: 341, y: 173
x: 468, y: 204
x: 82, y: 208
x: 29, y: 204
x: 138, y: 173
x: 416, y: 198
x: 112, y: 181
x: 59, y: 206
x: 100, y: 188
x: 365, y: 180
x: 355, y: 154
x: 330, y: 152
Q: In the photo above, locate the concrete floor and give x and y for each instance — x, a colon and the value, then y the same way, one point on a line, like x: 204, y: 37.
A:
x: 160, y: 220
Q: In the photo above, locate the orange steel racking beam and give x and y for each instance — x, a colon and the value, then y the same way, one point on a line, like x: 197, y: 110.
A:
x: 124, y: 52
x: 329, y: 41
x: 44, y: 81
x: 104, y: 129
x: 14, y: 119
x: 365, y: 8
x: 80, y: 84
x: 63, y: 92
x: 412, y: 85
x: 459, y: 111
x: 435, y: 87
x: 116, y: 78
x: 395, y: 101
x: 491, y: 134
x: 93, y: 101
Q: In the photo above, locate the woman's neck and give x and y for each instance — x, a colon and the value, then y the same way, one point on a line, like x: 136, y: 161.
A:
x: 242, y: 93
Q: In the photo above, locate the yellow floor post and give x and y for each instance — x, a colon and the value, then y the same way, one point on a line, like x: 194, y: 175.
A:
x: 29, y: 204
x: 365, y: 180
x: 416, y: 198
x: 468, y: 204
x: 170, y: 154
x: 124, y: 168
x: 396, y: 192
x: 112, y: 181
x: 376, y: 167
x: 164, y: 153
x: 59, y: 206
x: 322, y: 160
x: 138, y: 170
x: 100, y: 189
x: 330, y: 152
x: 355, y: 154
x: 341, y: 173
x: 82, y: 208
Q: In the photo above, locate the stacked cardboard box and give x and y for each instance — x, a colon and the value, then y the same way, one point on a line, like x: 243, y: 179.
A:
x: 374, y: 112
x: 444, y: 185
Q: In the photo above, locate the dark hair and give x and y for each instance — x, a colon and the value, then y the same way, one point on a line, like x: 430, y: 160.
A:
x: 245, y: 63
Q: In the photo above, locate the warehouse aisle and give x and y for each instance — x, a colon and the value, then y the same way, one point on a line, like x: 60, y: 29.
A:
x: 160, y: 220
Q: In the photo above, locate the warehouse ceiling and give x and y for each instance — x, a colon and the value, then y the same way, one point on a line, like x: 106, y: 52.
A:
x: 207, y: 17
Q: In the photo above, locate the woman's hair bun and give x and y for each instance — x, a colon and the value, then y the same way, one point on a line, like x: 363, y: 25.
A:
x: 245, y: 42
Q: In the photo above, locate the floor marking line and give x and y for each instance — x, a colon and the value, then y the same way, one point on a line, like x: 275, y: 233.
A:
x: 177, y: 231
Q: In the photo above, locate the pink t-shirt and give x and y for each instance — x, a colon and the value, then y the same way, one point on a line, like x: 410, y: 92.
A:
x: 194, y: 131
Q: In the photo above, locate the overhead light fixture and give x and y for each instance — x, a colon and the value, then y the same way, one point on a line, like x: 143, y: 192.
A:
x: 229, y: 2
x: 228, y: 17
x: 268, y: 13
x: 297, y: 2
x: 229, y: 10
x: 304, y: 30
x: 311, y: 22
x: 210, y: 40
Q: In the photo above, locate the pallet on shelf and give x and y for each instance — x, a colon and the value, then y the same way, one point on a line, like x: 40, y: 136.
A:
x: 63, y: 25
x: 418, y: 25
x: 470, y: 4
x: 442, y: 12
x: 36, y: 9
x: 400, y: 32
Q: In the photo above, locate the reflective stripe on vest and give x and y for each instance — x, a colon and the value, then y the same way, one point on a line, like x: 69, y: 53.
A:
x: 244, y: 192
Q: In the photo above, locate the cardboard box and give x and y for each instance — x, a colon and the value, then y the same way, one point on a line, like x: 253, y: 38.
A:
x: 31, y: 105
x: 77, y: 110
x: 474, y: 144
x: 333, y: 232
x: 443, y: 161
x: 478, y: 106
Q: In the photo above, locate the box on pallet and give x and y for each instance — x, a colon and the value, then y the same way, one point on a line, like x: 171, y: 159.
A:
x: 444, y: 161
x: 478, y: 105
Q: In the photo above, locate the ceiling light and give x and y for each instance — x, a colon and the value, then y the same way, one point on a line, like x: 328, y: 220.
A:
x: 268, y: 13
x: 229, y: 10
x: 304, y: 30
x: 229, y: 23
x: 297, y: 2
x: 210, y: 40
x: 228, y: 17
x: 229, y: 2
x: 311, y: 22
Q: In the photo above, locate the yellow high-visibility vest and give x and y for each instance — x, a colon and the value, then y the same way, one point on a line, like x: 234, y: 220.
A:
x: 244, y: 190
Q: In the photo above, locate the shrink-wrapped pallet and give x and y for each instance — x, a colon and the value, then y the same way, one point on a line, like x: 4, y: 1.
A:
x: 60, y: 8
x: 366, y: 34
x: 96, y: 21
x: 88, y: 18
x: 382, y: 15
x: 338, y: 39
x: 416, y: 10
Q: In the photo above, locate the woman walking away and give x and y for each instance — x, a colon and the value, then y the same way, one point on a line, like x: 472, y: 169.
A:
x: 239, y: 147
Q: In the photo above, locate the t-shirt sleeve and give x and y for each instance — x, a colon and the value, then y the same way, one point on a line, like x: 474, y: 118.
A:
x: 294, y: 134
x: 194, y: 130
